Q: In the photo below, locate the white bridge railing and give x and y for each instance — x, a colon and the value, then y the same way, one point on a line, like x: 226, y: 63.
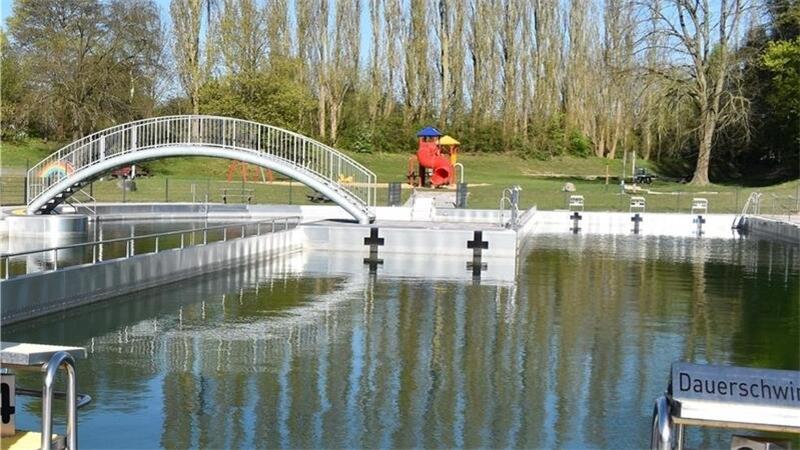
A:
x: 300, y: 152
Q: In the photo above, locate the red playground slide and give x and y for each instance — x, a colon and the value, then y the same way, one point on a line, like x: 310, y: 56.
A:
x: 430, y: 157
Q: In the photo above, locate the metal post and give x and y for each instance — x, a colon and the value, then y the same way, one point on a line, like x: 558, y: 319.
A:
x: 242, y: 231
x: 94, y: 252
x: 258, y: 229
x: 25, y: 182
x: 166, y: 190
x: 55, y: 259
x: 224, y: 234
x: 273, y: 225
x: 7, y: 258
x: 181, y: 240
x: 156, y: 247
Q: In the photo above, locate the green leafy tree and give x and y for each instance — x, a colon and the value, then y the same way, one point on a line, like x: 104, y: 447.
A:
x: 88, y: 63
x: 274, y: 96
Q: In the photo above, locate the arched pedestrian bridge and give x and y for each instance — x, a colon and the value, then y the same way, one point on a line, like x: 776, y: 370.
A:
x: 318, y: 166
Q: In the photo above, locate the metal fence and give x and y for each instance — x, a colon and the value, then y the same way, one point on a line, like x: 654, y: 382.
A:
x: 54, y: 258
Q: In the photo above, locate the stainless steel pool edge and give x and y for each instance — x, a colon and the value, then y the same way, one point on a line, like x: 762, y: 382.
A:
x: 38, y: 294
x: 774, y: 228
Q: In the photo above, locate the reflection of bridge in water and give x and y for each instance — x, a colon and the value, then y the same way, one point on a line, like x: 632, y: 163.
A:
x: 320, y: 167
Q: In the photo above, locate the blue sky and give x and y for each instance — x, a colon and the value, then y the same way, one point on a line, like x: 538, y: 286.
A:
x: 6, y: 7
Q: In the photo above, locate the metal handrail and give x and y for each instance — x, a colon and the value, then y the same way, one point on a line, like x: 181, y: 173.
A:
x: 334, y: 168
x: 753, y: 202
x: 130, y: 240
x: 51, y: 370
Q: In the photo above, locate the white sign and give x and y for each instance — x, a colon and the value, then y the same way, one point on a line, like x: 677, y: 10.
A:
x: 735, y: 384
x: 736, y: 394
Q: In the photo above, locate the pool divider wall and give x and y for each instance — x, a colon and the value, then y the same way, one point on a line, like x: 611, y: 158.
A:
x: 428, y: 241
x: 652, y: 224
x: 28, y: 296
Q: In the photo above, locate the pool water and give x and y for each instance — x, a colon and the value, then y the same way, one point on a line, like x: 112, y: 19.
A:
x: 571, y: 355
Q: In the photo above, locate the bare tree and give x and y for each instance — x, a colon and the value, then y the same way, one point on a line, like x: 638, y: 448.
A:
x: 342, y: 69
x: 242, y: 36
x: 484, y: 20
x: 701, y: 35
x: 193, y: 65
x: 278, y: 27
x: 395, y: 40
x: 378, y: 60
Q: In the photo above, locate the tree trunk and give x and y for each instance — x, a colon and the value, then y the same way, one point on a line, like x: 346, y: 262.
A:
x: 321, y: 110
x: 700, y: 177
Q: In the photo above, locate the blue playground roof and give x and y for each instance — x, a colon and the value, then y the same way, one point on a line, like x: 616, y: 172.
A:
x: 429, y: 132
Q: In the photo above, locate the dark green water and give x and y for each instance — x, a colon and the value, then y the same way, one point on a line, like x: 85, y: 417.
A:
x: 570, y: 356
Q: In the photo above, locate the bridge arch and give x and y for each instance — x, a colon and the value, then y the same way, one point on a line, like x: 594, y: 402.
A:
x: 320, y: 167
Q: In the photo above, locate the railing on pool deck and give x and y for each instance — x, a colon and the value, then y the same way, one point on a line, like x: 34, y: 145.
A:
x: 257, y: 229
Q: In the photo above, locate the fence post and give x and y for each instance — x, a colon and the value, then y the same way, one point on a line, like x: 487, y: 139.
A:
x: 25, y: 182
x: 166, y: 190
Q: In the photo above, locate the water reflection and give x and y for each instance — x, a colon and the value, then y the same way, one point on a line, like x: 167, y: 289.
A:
x: 293, y: 354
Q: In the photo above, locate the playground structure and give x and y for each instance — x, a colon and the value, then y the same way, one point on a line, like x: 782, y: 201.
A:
x: 237, y: 167
x: 435, y: 160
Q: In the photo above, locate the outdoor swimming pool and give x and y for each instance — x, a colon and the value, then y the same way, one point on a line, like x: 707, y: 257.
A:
x: 286, y: 354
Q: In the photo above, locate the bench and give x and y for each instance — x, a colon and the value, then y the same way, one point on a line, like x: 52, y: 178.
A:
x: 699, y: 206
x: 637, y: 203
x: 575, y: 201
x: 725, y: 397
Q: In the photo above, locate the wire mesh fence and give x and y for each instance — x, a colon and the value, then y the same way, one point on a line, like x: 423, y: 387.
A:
x: 286, y: 191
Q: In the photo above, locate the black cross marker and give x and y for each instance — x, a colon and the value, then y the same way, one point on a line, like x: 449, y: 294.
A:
x: 478, y: 245
x: 373, y: 241
x: 575, y: 219
x: 636, y: 219
x: 700, y: 220
x: 6, y: 410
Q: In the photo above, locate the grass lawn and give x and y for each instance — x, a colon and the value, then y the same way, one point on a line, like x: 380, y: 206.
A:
x: 185, y: 179
x: 17, y: 155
